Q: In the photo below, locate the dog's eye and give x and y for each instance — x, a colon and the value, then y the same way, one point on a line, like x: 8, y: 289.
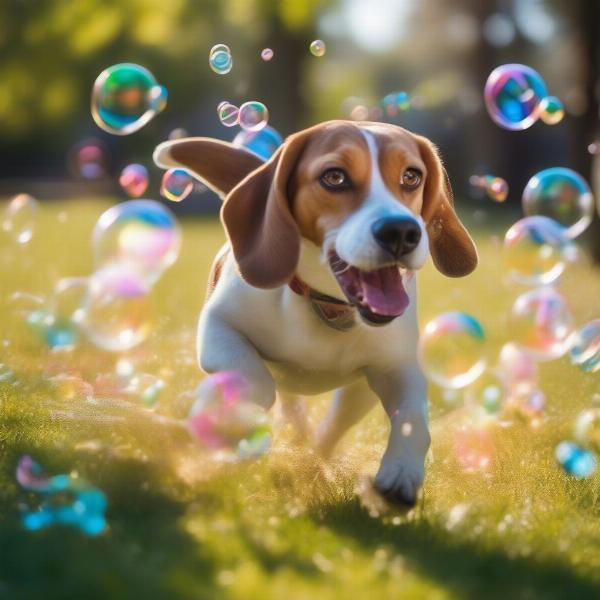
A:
x: 411, y: 178
x: 335, y: 180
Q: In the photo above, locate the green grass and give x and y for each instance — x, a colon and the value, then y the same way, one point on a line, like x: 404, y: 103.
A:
x: 284, y: 526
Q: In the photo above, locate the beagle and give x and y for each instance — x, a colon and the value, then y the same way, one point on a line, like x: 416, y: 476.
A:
x: 315, y: 289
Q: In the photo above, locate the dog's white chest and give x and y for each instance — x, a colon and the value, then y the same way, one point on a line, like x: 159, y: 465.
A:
x: 304, y: 354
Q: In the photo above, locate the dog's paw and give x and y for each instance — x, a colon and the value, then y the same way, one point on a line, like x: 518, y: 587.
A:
x: 399, y: 482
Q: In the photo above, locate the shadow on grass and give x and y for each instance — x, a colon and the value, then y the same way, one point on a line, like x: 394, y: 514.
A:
x: 467, y: 568
x: 144, y: 554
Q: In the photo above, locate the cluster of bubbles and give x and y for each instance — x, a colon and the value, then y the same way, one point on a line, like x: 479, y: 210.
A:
x: 250, y: 116
x: 495, y: 188
x: 516, y: 96
x: 64, y: 499
x: 558, y: 206
x: 395, y: 102
x: 20, y: 217
x: 176, y: 184
x: 225, y: 422
x: 391, y: 105
x: 133, y: 243
x: 125, y: 97
x: 220, y: 59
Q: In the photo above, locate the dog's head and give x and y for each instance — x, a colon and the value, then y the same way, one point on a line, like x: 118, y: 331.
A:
x: 373, y: 197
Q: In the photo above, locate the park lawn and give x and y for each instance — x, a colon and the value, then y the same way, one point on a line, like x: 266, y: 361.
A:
x: 284, y: 526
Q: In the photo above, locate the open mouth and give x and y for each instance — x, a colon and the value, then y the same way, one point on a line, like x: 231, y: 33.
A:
x: 379, y: 295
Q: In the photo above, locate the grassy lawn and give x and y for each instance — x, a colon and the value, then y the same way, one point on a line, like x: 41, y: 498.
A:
x: 284, y: 526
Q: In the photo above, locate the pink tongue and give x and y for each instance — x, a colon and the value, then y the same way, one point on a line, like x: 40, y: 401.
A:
x: 383, y: 291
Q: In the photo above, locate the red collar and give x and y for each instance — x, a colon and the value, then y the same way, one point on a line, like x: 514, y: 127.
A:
x: 333, y: 312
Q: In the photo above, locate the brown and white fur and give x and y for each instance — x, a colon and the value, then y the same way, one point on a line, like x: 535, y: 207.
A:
x: 283, y: 221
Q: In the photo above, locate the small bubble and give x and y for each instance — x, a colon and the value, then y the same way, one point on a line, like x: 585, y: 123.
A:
x: 267, y: 54
x: 228, y: 114
x: 220, y: 59
x: 318, y: 48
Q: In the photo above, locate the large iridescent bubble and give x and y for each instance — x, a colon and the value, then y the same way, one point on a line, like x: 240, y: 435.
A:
x: 125, y: 97
x: 264, y: 143
x: 541, y: 323
x: 536, y: 250
x: 118, y: 310
x: 513, y: 94
x: 142, y: 234
x: 452, y: 350
x: 225, y: 421
x: 563, y: 195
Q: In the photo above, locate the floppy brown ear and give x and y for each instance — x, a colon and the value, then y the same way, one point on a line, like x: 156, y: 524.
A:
x: 452, y: 249
x: 258, y: 220
x: 218, y: 164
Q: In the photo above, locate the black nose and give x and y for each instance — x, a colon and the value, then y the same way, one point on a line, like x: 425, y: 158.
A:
x: 397, y: 235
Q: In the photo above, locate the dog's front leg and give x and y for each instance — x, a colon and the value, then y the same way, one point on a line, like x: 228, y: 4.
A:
x: 403, y: 393
x: 222, y: 348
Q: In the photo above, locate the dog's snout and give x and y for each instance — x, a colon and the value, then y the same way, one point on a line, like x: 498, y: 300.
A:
x: 397, y: 235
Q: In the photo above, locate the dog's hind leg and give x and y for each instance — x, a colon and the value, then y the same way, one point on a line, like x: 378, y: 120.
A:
x: 350, y: 404
x: 293, y: 410
x: 222, y: 348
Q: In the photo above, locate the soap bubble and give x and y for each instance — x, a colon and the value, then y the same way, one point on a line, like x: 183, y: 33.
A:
x: 594, y: 148
x: 496, y: 188
x: 474, y: 448
x: 66, y: 309
x: 585, y: 349
x: 526, y: 404
x: 317, y: 48
x: 517, y: 366
x: 576, y: 461
x: 118, y: 309
x: 220, y: 60
x: 176, y: 185
x: 552, y: 110
x: 223, y: 420
x: 452, y: 350
x: 20, y: 217
x: 487, y: 392
x: 587, y: 428
x: 125, y: 97
x: 535, y: 249
x: 266, y: 54
x: 141, y: 233
x: 253, y: 116
x: 562, y: 195
x: 512, y: 96
x: 541, y: 323
x: 88, y: 159
x: 228, y: 114
x: 134, y: 179
x: 263, y: 142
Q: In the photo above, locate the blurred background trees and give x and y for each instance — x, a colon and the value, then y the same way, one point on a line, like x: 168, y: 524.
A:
x: 440, y: 52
